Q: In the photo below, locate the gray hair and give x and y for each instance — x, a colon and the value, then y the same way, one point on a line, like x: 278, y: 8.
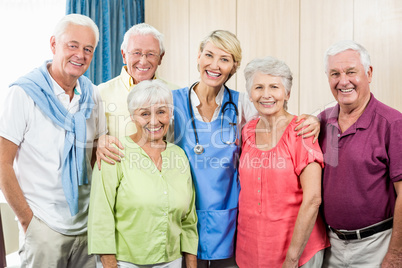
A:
x: 147, y: 93
x: 76, y: 19
x: 271, y: 66
x: 344, y: 45
x: 143, y: 29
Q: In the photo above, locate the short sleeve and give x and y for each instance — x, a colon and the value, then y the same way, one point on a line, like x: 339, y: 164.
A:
x: 304, y: 152
x: 101, y: 127
x: 395, y: 150
x: 14, y: 114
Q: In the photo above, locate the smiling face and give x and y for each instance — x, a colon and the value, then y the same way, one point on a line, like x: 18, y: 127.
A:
x: 268, y: 94
x: 143, y: 67
x: 215, y: 65
x: 152, y: 122
x: 349, y: 82
x: 72, y: 51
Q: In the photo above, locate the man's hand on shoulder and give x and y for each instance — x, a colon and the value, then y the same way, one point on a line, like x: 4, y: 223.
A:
x: 107, y: 152
x: 309, y: 125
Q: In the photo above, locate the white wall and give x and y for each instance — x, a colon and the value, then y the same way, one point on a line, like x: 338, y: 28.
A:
x: 296, y: 31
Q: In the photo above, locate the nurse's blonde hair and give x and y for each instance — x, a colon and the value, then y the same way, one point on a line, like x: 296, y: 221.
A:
x: 226, y: 41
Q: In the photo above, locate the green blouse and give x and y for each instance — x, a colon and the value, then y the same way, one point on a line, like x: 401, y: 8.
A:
x: 141, y: 214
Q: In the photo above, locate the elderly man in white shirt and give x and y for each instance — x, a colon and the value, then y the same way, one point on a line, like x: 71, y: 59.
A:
x: 48, y: 127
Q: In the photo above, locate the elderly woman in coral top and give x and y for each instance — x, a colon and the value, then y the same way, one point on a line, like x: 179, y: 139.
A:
x: 280, y: 176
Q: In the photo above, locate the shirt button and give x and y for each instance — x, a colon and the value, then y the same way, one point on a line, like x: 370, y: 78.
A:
x: 165, y: 192
x: 164, y: 214
x: 339, y: 135
x: 259, y: 203
x: 163, y: 233
x: 259, y: 178
x: 259, y: 191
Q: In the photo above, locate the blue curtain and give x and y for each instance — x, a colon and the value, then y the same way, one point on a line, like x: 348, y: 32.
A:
x: 114, y: 18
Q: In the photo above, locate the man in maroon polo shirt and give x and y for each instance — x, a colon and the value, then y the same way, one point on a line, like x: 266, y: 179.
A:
x: 361, y: 139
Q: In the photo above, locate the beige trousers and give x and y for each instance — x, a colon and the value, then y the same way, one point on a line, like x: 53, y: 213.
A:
x: 44, y: 247
x: 315, y: 261
x: 365, y: 253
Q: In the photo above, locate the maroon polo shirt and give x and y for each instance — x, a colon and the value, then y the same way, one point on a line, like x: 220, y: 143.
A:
x: 361, y: 166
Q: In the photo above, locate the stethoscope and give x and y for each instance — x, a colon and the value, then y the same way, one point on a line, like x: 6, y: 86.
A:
x: 198, y: 148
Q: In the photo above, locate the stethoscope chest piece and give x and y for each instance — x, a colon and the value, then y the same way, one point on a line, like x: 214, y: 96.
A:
x: 198, y: 149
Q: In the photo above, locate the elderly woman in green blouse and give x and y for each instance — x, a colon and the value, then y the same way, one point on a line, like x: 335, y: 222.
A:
x: 142, y: 210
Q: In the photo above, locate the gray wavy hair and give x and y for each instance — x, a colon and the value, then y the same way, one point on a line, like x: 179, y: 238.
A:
x: 148, y: 93
x: 344, y: 45
x: 143, y: 29
x: 271, y: 66
x: 77, y: 19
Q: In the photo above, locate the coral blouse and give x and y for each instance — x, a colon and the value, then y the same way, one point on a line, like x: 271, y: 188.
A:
x: 270, y: 198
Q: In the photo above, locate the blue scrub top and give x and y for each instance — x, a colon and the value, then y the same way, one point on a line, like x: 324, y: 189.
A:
x: 214, y: 172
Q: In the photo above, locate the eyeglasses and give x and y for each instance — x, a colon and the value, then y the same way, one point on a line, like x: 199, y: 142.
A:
x: 148, y: 56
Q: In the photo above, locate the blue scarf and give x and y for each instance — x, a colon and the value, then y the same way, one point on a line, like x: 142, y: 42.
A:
x: 39, y: 86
